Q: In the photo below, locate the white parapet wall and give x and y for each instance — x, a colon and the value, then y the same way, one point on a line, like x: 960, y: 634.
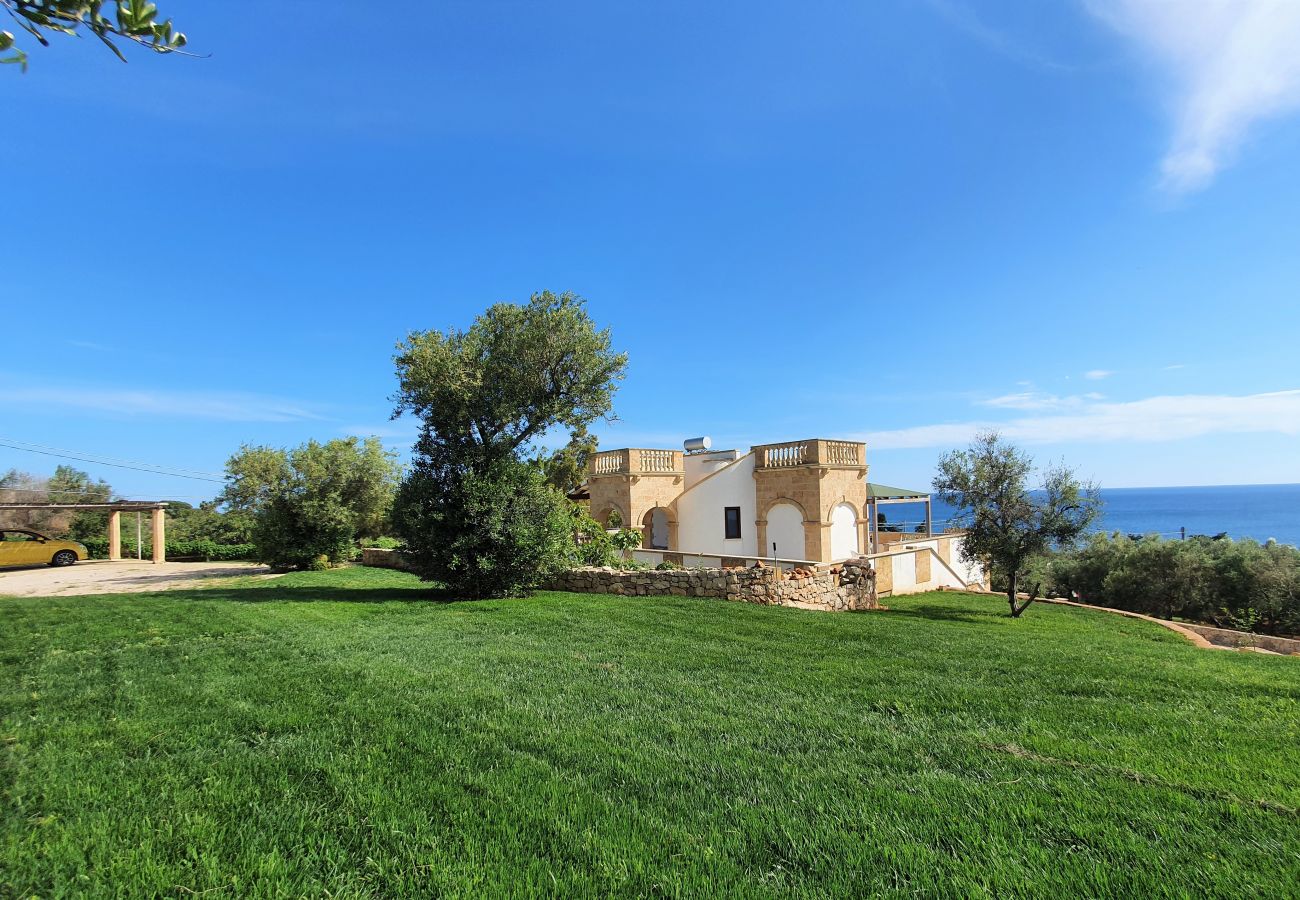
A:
x: 927, y: 564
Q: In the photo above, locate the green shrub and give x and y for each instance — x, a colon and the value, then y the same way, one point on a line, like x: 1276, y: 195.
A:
x: 208, y: 551
x: 295, y: 531
x: 667, y: 566
x: 1232, y: 584
x: 498, y: 533
x: 382, y: 543
x: 595, y: 545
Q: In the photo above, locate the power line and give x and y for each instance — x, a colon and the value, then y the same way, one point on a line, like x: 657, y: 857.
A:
x: 100, y: 457
x: 14, y: 490
x: 101, y: 462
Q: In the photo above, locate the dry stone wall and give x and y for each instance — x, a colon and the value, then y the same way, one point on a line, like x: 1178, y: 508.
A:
x: 844, y: 587
x: 384, y: 559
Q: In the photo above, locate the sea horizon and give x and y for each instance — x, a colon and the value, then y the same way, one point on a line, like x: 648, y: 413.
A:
x: 1257, y: 511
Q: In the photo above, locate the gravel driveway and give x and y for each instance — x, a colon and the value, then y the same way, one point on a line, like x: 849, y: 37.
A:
x: 128, y: 576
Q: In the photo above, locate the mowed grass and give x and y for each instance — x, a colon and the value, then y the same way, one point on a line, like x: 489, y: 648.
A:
x: 340, y: 734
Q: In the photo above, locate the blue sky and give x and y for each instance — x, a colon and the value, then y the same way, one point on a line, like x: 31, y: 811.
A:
x: 894, y: 221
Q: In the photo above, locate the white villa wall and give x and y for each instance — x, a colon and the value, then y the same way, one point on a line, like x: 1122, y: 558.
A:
x: 917, y: 566
x: 700, y: 520
x: 685, y: 560
x: 967, y: 572
x: 904, y: 572
x: 698, y: 466
x: 970, y: 571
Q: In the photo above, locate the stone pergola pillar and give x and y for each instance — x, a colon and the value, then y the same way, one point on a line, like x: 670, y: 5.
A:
x: 159, y: 535
x: 115, y: 534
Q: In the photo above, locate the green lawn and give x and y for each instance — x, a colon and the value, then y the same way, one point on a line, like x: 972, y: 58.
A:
x: 338, y: 734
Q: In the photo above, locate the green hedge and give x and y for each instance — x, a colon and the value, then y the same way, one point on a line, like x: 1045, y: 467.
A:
x: 208, y: 551
x: 1242, y: 584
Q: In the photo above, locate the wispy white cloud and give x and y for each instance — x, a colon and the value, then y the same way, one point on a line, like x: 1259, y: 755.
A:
x: 1038, y: 400
x: 389, y: 431
x: 230, y: 407
x: 964, y: 18
x: 1164, y: 418
x: 90, y: 345
x: 1097, y: 374
x: 1232, y: 63
x: 1027, y: 400
x: 1175, y: 366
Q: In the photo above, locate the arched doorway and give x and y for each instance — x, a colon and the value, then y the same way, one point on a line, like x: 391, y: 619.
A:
x: 844, y: 531
x: 655, y: 527
x: 611, y: 517
x: 785, y: 530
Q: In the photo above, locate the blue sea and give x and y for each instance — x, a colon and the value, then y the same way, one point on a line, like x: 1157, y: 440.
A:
x: 1259, y: 511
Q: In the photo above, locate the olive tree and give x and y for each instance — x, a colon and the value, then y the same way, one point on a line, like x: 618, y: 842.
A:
x: 475, y: 513
x: 1007, y: 524
x: 133, y: 21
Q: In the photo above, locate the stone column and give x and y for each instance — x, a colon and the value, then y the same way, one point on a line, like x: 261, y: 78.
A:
x: 115, y: 534
x: 812, y: 541
x: 159, y: 535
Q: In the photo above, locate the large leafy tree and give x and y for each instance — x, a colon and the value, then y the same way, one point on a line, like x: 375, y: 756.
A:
x: 252, y: 476
x: 66, y: 485
x: 111, y: 21
x: 69, y: 485
x: 1008, y: 524
x: 518, y: 372
x: 310, y: 504
x: 483, y: 396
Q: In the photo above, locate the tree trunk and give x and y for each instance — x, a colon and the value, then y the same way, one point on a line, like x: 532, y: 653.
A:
x: 1012, y: 581
x: 1033, y: 595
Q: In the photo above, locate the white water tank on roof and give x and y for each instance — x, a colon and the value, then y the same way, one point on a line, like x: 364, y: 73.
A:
x: 697, y: 445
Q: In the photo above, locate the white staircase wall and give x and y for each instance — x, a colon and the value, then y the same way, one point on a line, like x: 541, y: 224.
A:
x: 700, y: 522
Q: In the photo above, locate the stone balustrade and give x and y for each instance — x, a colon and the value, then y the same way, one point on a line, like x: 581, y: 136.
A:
x: 813, y: 452
x: 634, y: 461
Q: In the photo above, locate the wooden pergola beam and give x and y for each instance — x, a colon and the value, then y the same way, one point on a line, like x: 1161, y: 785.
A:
x: 158, y: 510
x: 128, y: 506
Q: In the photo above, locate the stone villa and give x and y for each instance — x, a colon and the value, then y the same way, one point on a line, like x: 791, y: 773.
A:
x: 799, y: 501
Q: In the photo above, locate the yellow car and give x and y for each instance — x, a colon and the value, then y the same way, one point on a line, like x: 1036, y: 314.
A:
x: 27, y: 548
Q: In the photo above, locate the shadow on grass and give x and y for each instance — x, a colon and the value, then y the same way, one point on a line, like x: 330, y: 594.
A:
x: 324, y: 594
x: 941, y: 613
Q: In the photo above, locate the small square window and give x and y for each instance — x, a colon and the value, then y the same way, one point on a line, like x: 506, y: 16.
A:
x: 731, y: 520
